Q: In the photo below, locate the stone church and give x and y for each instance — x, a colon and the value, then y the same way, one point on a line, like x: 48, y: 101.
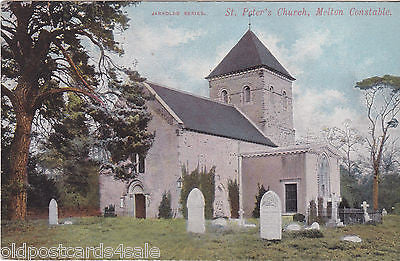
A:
x: 244, y: 128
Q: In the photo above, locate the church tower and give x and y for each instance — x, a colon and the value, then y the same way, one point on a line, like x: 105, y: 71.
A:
x: 253, y: 80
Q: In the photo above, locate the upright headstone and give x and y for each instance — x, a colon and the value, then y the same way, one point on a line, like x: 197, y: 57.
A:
x: 270, y: 216
x: 195, y: 207
x: 335, y: 220
x: 53, y: 212
x: 365, y: 206
x: 335, y: 205
x: 384, y: 212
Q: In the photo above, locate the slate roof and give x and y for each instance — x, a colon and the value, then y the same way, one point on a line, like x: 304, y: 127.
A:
x: 206, y: 116
x: 248, y: 53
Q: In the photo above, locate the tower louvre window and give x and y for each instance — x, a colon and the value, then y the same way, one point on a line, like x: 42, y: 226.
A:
x: 224, y: 96
x: 246, y: 92
x: 285, y: 102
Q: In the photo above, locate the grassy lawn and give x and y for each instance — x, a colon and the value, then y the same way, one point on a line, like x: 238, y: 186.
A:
x: 380, y: 242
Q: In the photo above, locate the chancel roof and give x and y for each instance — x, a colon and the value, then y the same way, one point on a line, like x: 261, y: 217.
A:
x: 249, y: 53
x: 210, y: 117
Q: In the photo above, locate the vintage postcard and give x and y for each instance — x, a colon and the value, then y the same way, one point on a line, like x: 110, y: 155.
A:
x: 200, y: 130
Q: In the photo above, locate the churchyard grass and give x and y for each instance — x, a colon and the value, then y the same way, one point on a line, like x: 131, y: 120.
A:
x: 380, y: 242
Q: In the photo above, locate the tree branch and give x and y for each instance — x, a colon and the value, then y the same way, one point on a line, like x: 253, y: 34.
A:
x: 7, y: 92
x: 39, y: 100
x: 72, y: 64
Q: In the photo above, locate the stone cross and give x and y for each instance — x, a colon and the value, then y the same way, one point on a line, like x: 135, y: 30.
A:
x: 53, y: 212
x: 364, y: 205
x: 195, y: 207
x: 270, y: 216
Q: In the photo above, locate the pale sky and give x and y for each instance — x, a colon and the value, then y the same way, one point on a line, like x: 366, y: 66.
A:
x: 326, y: 54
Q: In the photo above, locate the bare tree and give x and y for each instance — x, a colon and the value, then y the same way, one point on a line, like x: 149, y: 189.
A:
x: 391, y: 157
x: 382, y: 101
x: 347, y: 141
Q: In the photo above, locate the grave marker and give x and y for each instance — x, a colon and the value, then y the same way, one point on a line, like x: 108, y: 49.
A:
x: 364, y: 205
x: 53, y: 212
x: 270, y: 216
x: 195, y: 206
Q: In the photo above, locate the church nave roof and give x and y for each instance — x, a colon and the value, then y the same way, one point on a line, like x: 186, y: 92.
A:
x: 207, y: 116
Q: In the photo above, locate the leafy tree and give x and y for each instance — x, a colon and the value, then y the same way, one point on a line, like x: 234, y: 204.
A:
x: 261, y: 192
x: 350, y: 188
x: 7, y: 126
x: 382, y: 101
x: 42, y: 188
x: 164, y: 210
x: 389, y: 194
x: 46, y: 51
x: 66, y: 153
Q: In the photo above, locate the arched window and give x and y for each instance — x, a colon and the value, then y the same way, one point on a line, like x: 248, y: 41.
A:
x: 285, y: 102
x: 246, y: 93
x: 224, y: 96
x: 271, y: 96
x: 323, y: 177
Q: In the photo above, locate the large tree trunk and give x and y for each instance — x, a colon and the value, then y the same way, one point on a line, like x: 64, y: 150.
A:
x: 19, y: 160
x: 375, y: 187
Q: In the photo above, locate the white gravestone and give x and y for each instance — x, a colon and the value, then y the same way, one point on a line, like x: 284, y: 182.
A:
x: 384, y: 212
x: 315, y: 226
x: 195, y: 207
x: 270, y: 216
x: 53, y: 212
x: 364, y: 205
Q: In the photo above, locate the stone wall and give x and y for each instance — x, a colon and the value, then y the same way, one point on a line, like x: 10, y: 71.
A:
x: 270, y: 106
x: 273, y: 171
x: 278, y: 112
x: 207, y: 151
x: 312, y: 173
x: 111, y: 191
x: 289, y: 165
x: 162, y: 169
x: 234, y: 85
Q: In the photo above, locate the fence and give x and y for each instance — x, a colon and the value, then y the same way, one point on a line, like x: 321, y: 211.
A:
x: 356, y: 216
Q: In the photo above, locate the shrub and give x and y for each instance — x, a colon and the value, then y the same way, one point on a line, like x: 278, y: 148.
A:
x: 109, y: 211
x: 261, y: 192
x: 299, y: 217
x: 164, y: 210
x: 202, y: 180
x: 344, y: 203
x: 233, y: 190
x: 309, y: 233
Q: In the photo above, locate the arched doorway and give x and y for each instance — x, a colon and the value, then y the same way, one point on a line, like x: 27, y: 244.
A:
x: 137, y: 202
x: 140, y: 206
